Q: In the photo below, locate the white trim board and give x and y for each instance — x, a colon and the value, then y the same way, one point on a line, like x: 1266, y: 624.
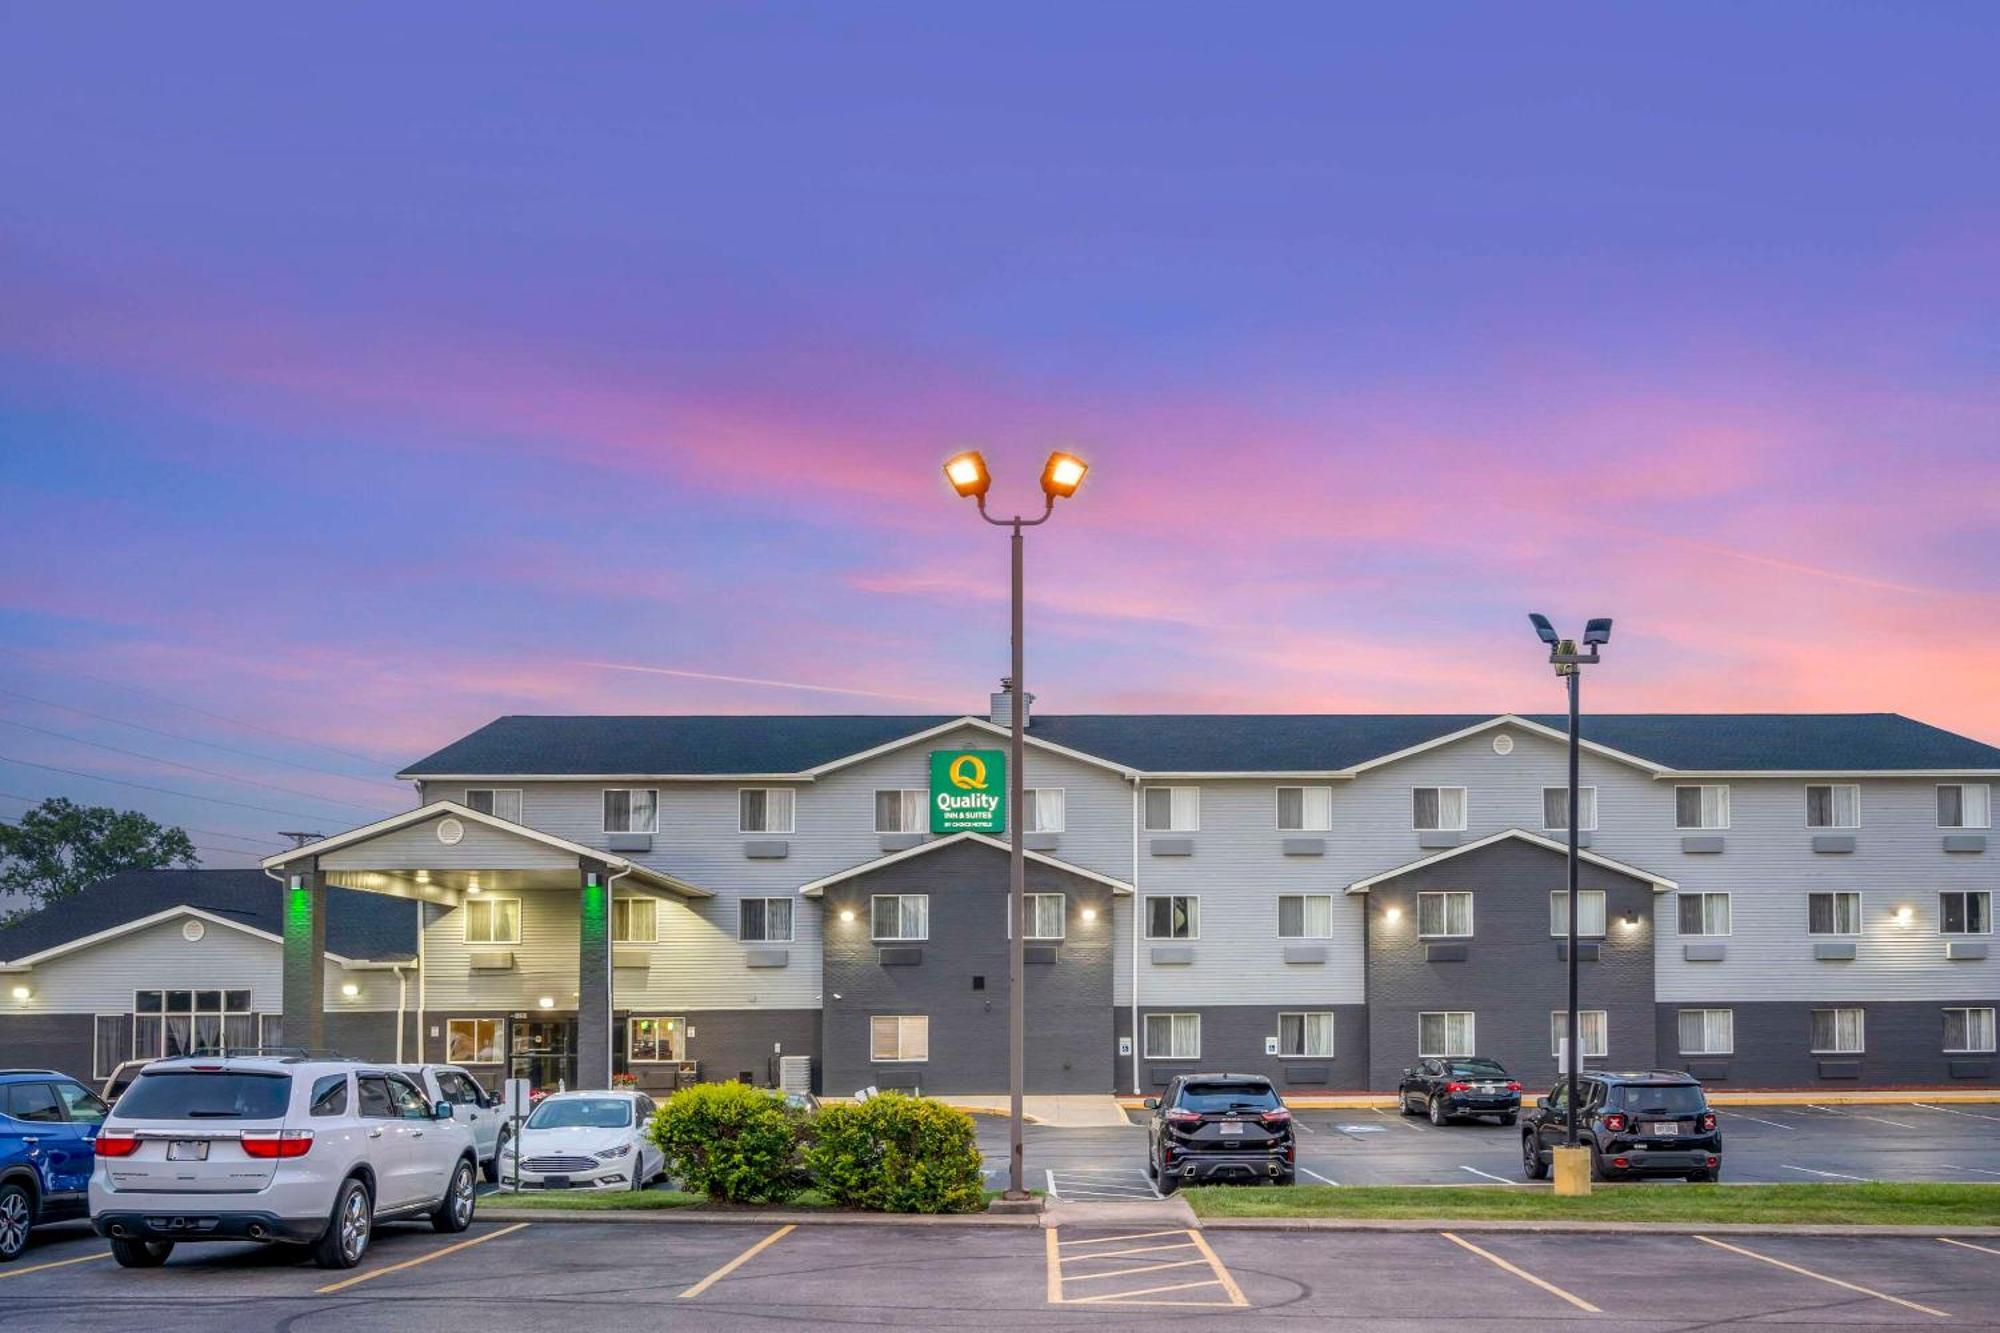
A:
x: 173, y: 914
x: 813, y: 888
x: 1660, y: 883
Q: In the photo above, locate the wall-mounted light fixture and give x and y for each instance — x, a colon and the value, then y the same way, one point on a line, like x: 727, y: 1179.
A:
x: 473, y: 885
x: 547, y: 1002
x: 847, y: 914
x: 1905, y: 914
x: 1392, y: 914
x: 1090, y: 914
x: 1630, y: 921
x: 23, y: 993
x: 349, y: 989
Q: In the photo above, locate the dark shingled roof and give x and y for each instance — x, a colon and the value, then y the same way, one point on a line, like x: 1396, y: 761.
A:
x: 359, y: 925
x: 1198, y: 743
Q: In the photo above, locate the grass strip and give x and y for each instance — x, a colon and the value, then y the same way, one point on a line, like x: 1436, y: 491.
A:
x: 1874, y: 1204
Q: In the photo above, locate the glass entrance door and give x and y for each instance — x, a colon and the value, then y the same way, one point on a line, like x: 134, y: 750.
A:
x: 543, y: 1051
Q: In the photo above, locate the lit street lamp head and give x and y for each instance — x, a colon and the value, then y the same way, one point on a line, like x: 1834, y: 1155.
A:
x: 1062, y: 475
x: 967, y: 474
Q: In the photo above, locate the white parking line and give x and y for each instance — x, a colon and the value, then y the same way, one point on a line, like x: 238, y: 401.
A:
x: 1488, y: 1174
x: 1052, y: 1184
x: 1976, y: 1170
x: 1968, y: 1245
x: 1834, y: 1175
x: 1822, y: 1277
x: 1973, y: 1115
x: 1308, y: 1171
x: 1397, y: 1117
x: 1856, y: 1115
x: 1738, y: 1115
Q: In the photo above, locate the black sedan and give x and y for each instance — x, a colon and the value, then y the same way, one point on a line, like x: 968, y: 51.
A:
x: 1450, y: 1088
x: 1219, y: 1128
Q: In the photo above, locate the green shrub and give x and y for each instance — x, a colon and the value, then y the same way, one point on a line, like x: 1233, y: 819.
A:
x: 896, y: 1154
x: 730, y: 1141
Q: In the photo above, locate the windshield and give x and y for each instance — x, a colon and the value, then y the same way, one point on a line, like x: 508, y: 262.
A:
x: 582, y: 1113
x: 1476, y: 1069
x: 1228, y: 1097
x: 186, y: 1094
x: 1675, y: 1099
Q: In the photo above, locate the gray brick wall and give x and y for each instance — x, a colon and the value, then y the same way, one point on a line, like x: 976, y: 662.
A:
x: 1904, y: 1039
x: 1232, y: 1042
x: 61, y: 1042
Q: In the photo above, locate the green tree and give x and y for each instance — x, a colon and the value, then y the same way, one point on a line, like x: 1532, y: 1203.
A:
x: 59, y: 846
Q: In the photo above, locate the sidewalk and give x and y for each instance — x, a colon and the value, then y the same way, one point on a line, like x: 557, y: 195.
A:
x: 1063, y: 1111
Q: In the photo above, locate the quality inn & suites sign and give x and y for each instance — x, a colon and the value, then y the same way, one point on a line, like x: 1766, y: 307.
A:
x: 968, y: 791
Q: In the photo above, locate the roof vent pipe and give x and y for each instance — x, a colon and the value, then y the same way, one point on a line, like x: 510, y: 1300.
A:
x: 1001, y: 710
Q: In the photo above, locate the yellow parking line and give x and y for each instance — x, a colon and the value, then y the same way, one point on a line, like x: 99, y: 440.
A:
x: 1822, y: 1277
x: 57, y: 1263
x: 1236, y: 1296
x: 371, y: 1275
x: 1130, y: 1235
x: 1121, y: 1297
x: 1128, y: 1272
x: 738, y: 1262
x: 1136, y: 1249
x: 1053, y: 1249
x: 1522, y: 1273
x: 1962, y: 1244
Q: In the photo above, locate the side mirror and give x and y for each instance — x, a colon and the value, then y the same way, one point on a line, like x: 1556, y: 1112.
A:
x: 443, y: 1111
x: 1151, y: 1103
x: 1408, y: 1072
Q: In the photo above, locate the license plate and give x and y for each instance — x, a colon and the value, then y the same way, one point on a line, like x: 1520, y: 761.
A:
x: 1231, y: 1127
x: 556, y: 1182
x: 187, y: 1150
x: 1665, y: 1130
x: 1491, y: 1087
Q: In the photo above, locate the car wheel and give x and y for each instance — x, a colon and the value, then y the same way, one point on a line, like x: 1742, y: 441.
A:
x: 17, y: 1214
x: 348, y: 1230
x: 1289, y: 1178
x: 1510, y: 1118
x: 1403, y: 1103
x: 491, y: 1168
x: 1598, y: 1170
x: 1438, y: 1116
x: 454, y: 1211
x: 1532, y: 1165
x: 1152, y: 1164
x: 140, y: 1253
x: 1708, y: 1177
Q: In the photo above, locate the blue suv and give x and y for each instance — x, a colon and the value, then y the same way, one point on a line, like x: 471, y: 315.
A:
x: 48, y: 1135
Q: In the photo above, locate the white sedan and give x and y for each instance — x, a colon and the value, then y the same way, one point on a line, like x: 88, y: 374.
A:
x: 585, y: 1140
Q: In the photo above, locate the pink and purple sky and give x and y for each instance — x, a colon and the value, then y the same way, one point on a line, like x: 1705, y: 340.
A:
x: 368, y: 373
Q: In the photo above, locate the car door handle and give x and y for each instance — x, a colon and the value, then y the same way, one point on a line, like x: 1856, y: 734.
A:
x: 374, y: 1133
x: 416, y: 1133
x: 30, y: 1139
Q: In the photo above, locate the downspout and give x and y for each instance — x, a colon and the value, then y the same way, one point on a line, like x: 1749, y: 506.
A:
x: 279, y: 880
x: 423, y: 980
x: 398, y: 969
x: 1138, y: 906
x: 611, y: 971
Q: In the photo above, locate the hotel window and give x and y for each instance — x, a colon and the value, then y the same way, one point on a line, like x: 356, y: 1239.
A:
x: 764, y: 920
x: 500, y: 802
x: 631, y: 810
x: 1444, y: 914
x: 1305, y: 809
x: 1444, y: 1036
x: 492, y: 920
x: 655, y: 1040
x: 1705, y: 807
x: 1704, y: 913
x: 1968, y: 1031
x: 1965, y: 913
x: 901, y: 1038
x: 1555, y: 808
x: 1173, y: 916
x: 108, y: 1044
x: 765, y: 809
x: 900, y: 916
x: 635, y: 921
x: 896, y: 811
x: 1173, y: 1036
x: 1833, y: 914
x: 166, y: 1023
x: 1045, y: 915
x: 1708, y: 1031
x: 1173, y: 809
x: 1439, y: 809
x: 1838, y: 1032
x: 1589, y: 913
x: 1965, y: 805
x: 1046, y: 809
x: 1306, y: 1034
x: 1833, y: 807
x: 1596, y: 1032
x: 1305, y: 916
x: 472, y: 1041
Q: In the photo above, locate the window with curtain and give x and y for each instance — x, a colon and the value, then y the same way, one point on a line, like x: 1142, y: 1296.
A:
x: 1708, y: 1031
x: 900, y: 810
x: 1837, y: 1032
x: 1173, y: 916
x: 1965, y: 913
x: 635, y: 921
x: 1444, y: 914
x: 901, y: 1038
x: 108, y: 1044
x: 1836, y: 806
x: 631, y: 810
x: 1305, y: 916
x: 1046, y: 809
x: 765, y: 809
x: 1833, y: 914
x: 1438, y: 808
x: 654, y: 1040
x: 167, y: 1023
x: 1704, y: 807
x: 492, y: 920
x: 1045, y: 913
x: 501, y: 803
x: 1555, y: 808
x: 1965, y: 805
x: 1306, y: 1034
x: 1445, y: 1035
x: 1172, y: 809
x: 1589, y: 912
x: 764, y: 920
x: 1305, y: 809
x: 900, y: 916
x: 1596, y: 1032
x: 1173, y: 1036
x: 472, y: 1041
x: 1968, y: 1031
x: 1704, y: 913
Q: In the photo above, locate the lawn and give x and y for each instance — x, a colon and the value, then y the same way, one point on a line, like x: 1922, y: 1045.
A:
x: 1870, y: 1204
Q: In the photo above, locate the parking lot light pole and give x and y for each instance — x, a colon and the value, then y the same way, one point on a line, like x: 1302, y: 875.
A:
x: 1060, y: 477
x: 1569, y: 663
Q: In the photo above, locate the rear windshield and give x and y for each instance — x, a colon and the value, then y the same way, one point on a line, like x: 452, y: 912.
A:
x: 1662, y: 1099
x: 582, y: 1113
x: 186, y: 1094
x: 1228, y: 1097
x: 1476, y: 1069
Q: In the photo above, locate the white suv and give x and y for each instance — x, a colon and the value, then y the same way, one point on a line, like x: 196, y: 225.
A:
x: 483, y: 1111
x: 267, y: 1148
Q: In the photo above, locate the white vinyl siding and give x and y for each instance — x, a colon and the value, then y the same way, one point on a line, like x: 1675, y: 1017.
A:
x: 492, y: 920
x: 635, y: 921
x: 899, y: 1038
x: 765, y: 810
x: 1173, y: 1036
x: 631, y: 810
x: 1839, y: 1031
x: 1555, y: 808
x: 1046, y: 809
x: 1703, y: 807
x: 1837, y: 806
x: 1968, y: 1031
x: 1439, y: 809
x: 1704, y: 914
x: 1965, y: 805
x: 1967, y: 912
x: 1173, y: 916
x: 1305, y: 809
x: 1443, y: 915
x: 1596, y: 1027
x: 764, y: 920
x: 500, y: 802
x: 1589, y: 913
x: 1308, y: 1034
x: 1445, y: 1035
x: 655, y: 1040
x: 1305, y: 916
x: 900, y: 810
x: 1708, y: 1031
x: 899, y: 916
x: 1173, y: 809
x: 1833, y: 913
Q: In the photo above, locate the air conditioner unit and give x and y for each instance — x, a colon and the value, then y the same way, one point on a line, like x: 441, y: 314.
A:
x: 795, y: 1073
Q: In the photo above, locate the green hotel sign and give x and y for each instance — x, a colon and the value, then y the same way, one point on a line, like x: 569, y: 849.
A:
x: 968, y: 791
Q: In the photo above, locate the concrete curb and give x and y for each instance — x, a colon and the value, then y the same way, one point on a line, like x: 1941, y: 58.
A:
x: 1581, y: 1228
x: 1716, y: 1097
x: 692, y: 1215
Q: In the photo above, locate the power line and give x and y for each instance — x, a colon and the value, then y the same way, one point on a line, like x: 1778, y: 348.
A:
x: 192, y: 768
x: 195, y: 740
x: 164, y: 791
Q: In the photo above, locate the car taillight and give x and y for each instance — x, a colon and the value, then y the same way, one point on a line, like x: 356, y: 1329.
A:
x: 1457, y: 1087
x: 1281, y: 1116
x: 272, y: 1143
x: 1615, y: 1122
x: 1707, y: 1121
x: 1513, y: 1087
x: 1180, y: 1117
x: 117, y: 1145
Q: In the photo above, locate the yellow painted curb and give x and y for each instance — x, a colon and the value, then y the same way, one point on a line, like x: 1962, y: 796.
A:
x: 1716, y: 1096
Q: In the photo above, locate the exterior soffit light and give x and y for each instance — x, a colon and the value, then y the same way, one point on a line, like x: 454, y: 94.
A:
x: 968, y: 475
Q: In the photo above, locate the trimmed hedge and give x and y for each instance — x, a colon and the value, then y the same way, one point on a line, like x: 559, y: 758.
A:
x: 896, y: 1154
x: 730, y: 1141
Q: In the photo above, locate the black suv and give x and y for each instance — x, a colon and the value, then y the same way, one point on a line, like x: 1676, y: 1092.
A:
x: 1644, y: 1123
x: 1219, y: 1127
x: 1447, y: 1089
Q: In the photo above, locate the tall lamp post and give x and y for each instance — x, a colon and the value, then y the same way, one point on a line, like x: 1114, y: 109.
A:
x: 1060, y: 477
x: 1569, y: 664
